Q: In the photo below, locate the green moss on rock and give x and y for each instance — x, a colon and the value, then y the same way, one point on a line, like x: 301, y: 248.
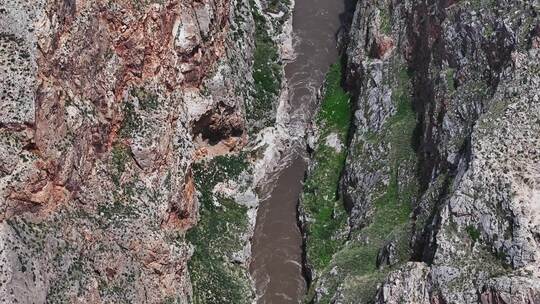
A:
x: 218, y: 235
x: 473, y: 233
x: 147, y: 100
x: 267, y: 75
x: 326, y: 215
x: 352, y: 266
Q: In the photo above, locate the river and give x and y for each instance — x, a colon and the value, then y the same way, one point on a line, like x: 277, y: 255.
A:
x: 277, y: 243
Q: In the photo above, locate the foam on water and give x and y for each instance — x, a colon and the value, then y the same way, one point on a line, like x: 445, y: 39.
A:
x: 277, y: 243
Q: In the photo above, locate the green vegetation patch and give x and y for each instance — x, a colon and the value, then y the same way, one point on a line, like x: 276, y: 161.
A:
x: 147, y: 100
x: 326, y: 215
x: 473, y: 233
x: 218, y: 235
x: 132, y: 122
x: 120, y: 212
x: 385, y: 22
x: 276, y: 6
x: 267, y: 75
x: 356, y: 261
x: 281, y: 11
x: 120, y: 157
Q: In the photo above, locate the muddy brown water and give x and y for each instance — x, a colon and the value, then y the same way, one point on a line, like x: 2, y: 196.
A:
x: 277, y: 243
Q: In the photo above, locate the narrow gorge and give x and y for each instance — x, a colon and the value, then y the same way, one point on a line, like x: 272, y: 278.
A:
x: 270, y: 151
x: 277, y: 259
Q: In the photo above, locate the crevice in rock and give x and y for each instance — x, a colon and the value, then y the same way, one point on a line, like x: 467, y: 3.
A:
x: 423, y: 245
x: 423, y: 96
x: 135, y: 159
x: 307, y: 272
x: 431, y: 164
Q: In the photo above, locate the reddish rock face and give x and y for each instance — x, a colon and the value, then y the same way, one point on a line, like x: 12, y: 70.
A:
x: 97, y: 144
x: 97, y: 52
x: 183, y: 215
x: 382, y: 47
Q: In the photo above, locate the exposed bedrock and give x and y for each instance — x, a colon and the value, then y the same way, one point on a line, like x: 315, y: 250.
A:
x: 100, y: 103
x: 441, y: 181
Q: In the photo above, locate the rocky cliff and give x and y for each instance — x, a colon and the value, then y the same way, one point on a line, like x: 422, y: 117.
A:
x: 109, y: 110
x: 441, y: 181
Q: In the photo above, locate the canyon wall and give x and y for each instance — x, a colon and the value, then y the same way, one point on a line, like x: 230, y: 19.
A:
x: 108, y: 111
x: 137, y: 136
x: 441, y: 185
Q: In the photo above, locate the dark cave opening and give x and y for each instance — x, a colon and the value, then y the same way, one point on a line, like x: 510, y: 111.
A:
x: 219, y: 123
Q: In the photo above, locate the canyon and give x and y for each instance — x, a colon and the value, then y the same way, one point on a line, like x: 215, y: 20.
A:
x: 242, y: 151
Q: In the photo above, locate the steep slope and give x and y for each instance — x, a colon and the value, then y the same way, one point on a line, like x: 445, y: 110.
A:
x: 108, y: 111
x: 441, y: 178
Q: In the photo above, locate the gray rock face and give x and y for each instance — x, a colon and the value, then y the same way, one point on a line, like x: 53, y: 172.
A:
x: 18, y: 60
x: 492, y: 209
x: 372, y: 112
x: 469, y: 72
x: 409, y: 285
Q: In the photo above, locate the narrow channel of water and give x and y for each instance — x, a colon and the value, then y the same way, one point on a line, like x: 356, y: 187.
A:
x: 277, y: 242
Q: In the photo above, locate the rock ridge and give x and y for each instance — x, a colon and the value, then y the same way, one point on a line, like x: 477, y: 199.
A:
x: 439, y: 184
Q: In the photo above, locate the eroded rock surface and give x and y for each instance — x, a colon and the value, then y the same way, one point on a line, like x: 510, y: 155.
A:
x: 105, y: 106
x: 441, y: 179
